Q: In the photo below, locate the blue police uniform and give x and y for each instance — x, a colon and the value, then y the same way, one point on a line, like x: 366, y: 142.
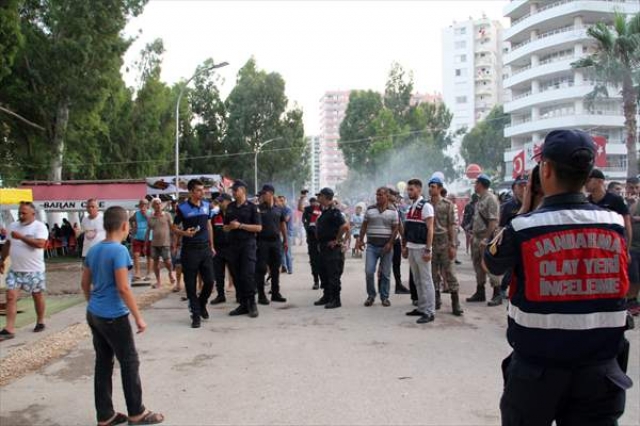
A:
x: 566, y: 316
x: 196, y: 255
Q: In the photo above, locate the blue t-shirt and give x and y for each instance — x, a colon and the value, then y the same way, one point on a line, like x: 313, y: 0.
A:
x: 142, y: 221
x: 103, y: 260
x: 289, y: 213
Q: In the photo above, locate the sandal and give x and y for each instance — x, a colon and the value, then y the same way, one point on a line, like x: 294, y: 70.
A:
x: 117, y: 420
x: 137, y: 278
x: 38, y: 328
x: 150, y: 418
x: 6, y: 335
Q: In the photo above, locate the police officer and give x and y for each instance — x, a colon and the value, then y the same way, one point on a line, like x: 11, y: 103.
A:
x: 242, y: 221
x: 193, y: 225
x: 273, y: 226
x: 445, y: 245
x: 485, y: 221
x: 566, y: 315
x: 331, y: 229
x: 310, y: 215
x: 222, y: 258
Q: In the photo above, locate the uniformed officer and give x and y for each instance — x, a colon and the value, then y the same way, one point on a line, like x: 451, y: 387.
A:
x: 485, y: 221
x: 222, y: 258
x: 193, y: 225
x: 242, y: 221
x: 273, y: 226
x: 566, y: 314
x: 310, y: 215
x: 445, y: 245
x: 331, y: 230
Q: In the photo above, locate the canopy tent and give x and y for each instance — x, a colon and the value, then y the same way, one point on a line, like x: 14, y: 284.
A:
x: 13, y: 196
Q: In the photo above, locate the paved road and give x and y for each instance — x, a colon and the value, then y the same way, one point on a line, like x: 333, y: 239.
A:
x: 299, y: 364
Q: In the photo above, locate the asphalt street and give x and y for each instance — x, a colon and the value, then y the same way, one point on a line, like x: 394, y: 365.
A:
x: 299, y: 364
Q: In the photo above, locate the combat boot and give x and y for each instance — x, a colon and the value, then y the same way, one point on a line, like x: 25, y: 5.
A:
x: 252, y: 308
x: 479, y: 295
x: 334, y: 303
x: 262, y: 298
x: 401, y: 289
x: 496, y: 299
x: 322, y: 301
x: 455, y: 304
x: 438, y: 300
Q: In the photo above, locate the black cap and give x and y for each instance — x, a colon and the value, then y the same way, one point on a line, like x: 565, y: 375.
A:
x: 596, y: 174
x: 313, y: 200
x: 224, y: 197
x: 561, y: 146
x: 327, y: 192
x: 267, y: 188
x: 239, y: 183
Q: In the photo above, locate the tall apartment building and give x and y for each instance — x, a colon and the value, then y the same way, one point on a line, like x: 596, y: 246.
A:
x: 543, y: 91
x: 314, y: 145
x: 472, y: 70
x: 333, y: 169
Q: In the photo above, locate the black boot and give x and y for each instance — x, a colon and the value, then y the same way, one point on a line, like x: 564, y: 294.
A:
x: 455, y: 304
x: 240, y: 310
x: 322, y: 301
x: 334, y: 303
x: 401, y: 289
x: 479, y: 295
x: 219, y: 299
x: 253, y: 308
x: 496, y: 299
x: 277, y: 297
x: 262, y: 298
x: 316, y: 282
x: 438, y: 300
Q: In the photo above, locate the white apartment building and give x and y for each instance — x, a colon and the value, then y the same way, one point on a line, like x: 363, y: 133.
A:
x: 543, y: 91
x: 314, y: 149
x: 333, y: 170
x: 472, y: 70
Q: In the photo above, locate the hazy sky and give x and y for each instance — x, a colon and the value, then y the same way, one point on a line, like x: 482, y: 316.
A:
x: 315, y: 45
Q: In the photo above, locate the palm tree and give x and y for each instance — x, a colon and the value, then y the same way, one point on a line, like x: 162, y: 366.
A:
x: 616, y: 61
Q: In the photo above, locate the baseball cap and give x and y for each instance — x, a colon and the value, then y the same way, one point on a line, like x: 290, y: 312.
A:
x: 223, y: 197
x: 436, y: 180
x: 596, y: 174
x: 267, y: 188
x: 327, y: 192
x: 239, y: 183
x: 521, y: 179
x: 313, y: 200
x: 561, y: 146
x: 484, y: 179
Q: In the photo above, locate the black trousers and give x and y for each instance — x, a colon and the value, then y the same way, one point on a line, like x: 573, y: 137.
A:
x: 412, y: 287
x: 536, y: 395
x: 506, y: 279
x: 115, y: 337
x: 331, y: 268
x: 220, y: 263
x: 197, y: 260
x: 269, y: 258
x: 243, y: 261
x: 397, y: 261
x: 314, y: 255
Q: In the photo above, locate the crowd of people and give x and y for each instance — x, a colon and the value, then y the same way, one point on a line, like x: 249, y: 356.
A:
x: 566, y: 246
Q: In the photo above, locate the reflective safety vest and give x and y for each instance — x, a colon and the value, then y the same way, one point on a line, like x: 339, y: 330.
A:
x: 568, y: 288
x: 415, y: 229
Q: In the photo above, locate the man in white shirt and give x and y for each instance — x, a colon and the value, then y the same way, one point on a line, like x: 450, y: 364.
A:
x: 92, y: 227
x: 26, y: 242
x: 416, y: 246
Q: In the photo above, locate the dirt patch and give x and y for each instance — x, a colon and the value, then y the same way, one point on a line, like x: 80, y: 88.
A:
x: 29, y: 416
x: 196, y: 362
x: 76, y: 368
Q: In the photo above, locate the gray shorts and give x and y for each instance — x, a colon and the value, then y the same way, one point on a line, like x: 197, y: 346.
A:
x: 160, y: 252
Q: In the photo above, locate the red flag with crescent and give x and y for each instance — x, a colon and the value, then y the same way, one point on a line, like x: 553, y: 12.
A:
x: 518, y: 164
x: 601, y: 151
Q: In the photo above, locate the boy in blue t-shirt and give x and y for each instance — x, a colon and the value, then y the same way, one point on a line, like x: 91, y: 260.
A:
x: 106, y: 266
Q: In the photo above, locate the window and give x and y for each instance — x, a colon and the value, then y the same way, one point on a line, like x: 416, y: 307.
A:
x: 460, y: 59
x: 460, y: 31
x: 460, y: 44
x: 461, y: 72
x: 461, y: 99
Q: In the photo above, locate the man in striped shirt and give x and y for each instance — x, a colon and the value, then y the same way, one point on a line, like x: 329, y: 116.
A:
x: 380, y: 227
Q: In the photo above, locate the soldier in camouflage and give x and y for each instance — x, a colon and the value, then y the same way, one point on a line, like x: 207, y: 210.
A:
x: 485, y: 221
x: 445, y: 245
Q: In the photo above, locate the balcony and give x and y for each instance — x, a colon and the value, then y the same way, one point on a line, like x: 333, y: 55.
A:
x: 560, y: 8
x: 552, y: 67
x: 516, y: 6
x: 525, y: 50
x: 587, y: 121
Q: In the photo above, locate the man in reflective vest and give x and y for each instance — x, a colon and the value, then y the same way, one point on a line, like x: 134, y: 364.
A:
x: 566, y: 316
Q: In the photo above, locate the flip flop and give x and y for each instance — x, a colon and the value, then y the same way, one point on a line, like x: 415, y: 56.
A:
x: 117, y: 420
x: 150, y: 418
x: 137, y: 278
x: 6, y: 335
x: 38, y: 328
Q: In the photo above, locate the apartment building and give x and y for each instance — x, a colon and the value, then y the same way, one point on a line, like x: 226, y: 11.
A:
x: 333, y: 170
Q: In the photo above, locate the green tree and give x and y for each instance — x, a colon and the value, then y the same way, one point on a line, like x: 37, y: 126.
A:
x: 61, y: 73
x: 485, y: 144
x: 616, y: 62
x: 397, y: 93
x: 10, y: 35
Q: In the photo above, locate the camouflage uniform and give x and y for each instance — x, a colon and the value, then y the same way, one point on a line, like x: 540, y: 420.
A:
x: 441, y: 265
x: 486, y: 210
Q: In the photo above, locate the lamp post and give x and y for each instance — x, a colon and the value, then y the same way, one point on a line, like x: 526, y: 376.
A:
x: 256, y: 150
x: 184, y: 87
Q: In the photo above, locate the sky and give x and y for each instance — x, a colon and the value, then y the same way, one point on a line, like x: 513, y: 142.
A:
x: 315, y: 45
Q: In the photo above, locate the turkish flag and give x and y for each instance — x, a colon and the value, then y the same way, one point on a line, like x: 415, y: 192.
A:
x: 601, y: 151
x: 518, y: 164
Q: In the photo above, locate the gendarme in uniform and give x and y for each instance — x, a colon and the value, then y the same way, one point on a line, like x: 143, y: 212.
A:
x: 566, y: 316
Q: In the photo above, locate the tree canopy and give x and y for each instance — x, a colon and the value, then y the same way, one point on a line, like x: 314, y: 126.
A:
x: 485, y: 144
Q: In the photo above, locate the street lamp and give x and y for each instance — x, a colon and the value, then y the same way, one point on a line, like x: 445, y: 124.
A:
x: 256, y: 150
x: 184, y: 87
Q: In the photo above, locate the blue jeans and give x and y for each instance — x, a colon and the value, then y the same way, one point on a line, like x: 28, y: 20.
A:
x: 287, y: 257
x: 375, y: 254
